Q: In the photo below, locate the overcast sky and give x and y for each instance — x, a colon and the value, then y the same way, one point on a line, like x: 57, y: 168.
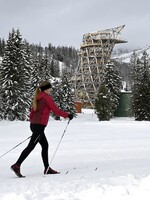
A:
x: 63, y: 22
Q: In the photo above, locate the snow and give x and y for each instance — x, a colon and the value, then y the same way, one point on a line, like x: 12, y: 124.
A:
x: 107, y: 160
x: 126, y: 57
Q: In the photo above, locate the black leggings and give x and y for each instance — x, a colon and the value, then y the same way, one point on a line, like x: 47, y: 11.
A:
x: 37, y: 136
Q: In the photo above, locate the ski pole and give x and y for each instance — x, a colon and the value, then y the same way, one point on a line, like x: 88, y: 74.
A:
x: 59, y: 142
x: 14, y: 147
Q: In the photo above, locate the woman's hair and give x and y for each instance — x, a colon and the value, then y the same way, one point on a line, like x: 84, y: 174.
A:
x: 37, y: 91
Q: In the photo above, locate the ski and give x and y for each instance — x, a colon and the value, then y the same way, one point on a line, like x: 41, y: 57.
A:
x: 78, y: 169
x: 65, y: 173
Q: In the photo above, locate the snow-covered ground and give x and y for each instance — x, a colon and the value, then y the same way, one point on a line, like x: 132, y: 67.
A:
x: 105, y: 160
x: 126, y: 57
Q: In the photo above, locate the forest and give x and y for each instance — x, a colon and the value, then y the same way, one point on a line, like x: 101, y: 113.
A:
x: 23, y: 66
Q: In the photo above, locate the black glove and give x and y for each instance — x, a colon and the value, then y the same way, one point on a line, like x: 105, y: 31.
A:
x: 70, y: 116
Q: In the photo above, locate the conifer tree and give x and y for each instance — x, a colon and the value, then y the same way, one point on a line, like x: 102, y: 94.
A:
x: 2, y: 46
x: 54, y: 68
x: 142, y: 104
x: 14, y: 77
x: 141, y: 88
x: 36, y: 74
x: 68, y: 94
x: 102, y: 104
x: 1, y: 110
x: 112, y: 81
x: 57, y: 95
x: 28, y: 70
x: 64, y: 95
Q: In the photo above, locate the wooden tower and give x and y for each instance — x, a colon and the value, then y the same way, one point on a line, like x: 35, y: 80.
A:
x: 94, y: 54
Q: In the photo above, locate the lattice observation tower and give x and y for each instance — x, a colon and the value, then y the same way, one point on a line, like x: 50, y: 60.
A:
x: 94, y: 54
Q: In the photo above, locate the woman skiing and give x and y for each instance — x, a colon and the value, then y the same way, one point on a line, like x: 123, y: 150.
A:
x: 43, y: 104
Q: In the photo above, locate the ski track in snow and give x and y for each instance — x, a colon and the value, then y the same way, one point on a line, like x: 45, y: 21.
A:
x: 104, y: 160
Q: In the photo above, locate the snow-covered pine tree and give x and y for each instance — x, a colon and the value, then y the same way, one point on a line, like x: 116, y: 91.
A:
x: 2, y: 46
x: 1, y: 111
x: 141, y: 88
x: 37, y: 53
x: 44, y: 68
x: 102, y: 104
x: 133, y: 60
x: 28, y: 70
x: 35, y: 77
x: 14, y: 77
x: 68, y: 94
x: 54, y: 68
x: 57, y: 95
x: 112, y: 81
x: 142, y: 106
x: 136, y: 81
x: 134, y: 69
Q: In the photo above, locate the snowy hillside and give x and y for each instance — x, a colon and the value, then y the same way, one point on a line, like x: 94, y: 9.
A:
x: 104, y: 160
x: 125, y: 57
